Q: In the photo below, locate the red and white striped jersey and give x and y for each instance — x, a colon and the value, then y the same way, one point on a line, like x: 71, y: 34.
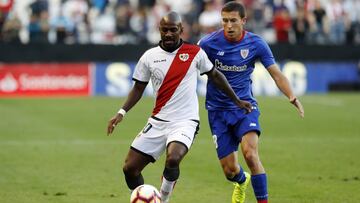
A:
x: 174, y: 79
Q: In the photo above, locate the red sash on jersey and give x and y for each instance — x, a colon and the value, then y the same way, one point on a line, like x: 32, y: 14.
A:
x: 177, y: 71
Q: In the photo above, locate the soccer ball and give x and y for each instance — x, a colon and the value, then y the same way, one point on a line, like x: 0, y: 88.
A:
x: 145, y: 194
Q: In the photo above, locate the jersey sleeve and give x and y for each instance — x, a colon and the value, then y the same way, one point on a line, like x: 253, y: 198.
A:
x: 202, y: 44
x: 142, y: 71
x: 204, y: 65
x: 265, y: 54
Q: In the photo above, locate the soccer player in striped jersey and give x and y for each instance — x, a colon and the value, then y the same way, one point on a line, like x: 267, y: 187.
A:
x: 234, y: 52
x: 172, y: 67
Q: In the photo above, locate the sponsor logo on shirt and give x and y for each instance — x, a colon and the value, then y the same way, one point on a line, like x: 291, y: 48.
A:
x: 219, y: 65
x: 220, y: 53
x: 159, y: 61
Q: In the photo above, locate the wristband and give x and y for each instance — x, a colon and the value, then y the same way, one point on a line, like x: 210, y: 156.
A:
x: 122, y: 112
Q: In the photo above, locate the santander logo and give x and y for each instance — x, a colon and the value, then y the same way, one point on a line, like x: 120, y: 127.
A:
x: 44, y: 79
x: 26, y: 82
x: 8, y: 83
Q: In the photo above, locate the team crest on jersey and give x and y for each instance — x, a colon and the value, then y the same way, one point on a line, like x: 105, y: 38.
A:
x: 184, y: 57
x: 244, y: 53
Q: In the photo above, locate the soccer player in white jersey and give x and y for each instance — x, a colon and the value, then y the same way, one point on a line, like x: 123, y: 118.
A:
x: 234, y: 51
x: 172, y: 67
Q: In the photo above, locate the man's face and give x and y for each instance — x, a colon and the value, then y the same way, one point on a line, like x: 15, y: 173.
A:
x: 170, y: 34
x: 233, y: 25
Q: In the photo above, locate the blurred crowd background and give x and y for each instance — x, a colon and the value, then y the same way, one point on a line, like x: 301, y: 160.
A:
x: 136, y: 21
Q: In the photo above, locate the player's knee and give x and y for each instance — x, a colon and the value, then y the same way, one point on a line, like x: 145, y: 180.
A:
x: 231, y: 171
x: 173, y: 160
x: 251, y: 157
x: 130, y: 171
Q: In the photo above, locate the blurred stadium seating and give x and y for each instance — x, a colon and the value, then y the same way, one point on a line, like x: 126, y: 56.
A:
x: 135, y: 21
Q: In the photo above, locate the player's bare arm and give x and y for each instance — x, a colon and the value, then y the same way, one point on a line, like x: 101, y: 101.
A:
x: 134, y: 96
x: 283, y: 84
x: 220, y: 81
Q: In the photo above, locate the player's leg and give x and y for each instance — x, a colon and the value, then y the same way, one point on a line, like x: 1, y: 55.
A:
x: 249, y: 129
x: 249, y: 147
x: 235, y: 173
x: 179, y: 141
x: 175, y: 153
x: 223, y: 128
x: 231, y: 168
x: 146, y: 147
x: 226, y: 145
x: 135, y: 162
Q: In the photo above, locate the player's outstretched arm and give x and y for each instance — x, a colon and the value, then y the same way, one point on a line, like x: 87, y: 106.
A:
x: 283, y: 84
x: 133, y: 97
x: 221, y: 82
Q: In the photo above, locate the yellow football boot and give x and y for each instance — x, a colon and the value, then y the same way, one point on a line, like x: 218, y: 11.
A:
x: 238, y: 195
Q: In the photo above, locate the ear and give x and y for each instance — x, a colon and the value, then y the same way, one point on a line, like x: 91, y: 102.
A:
x: 244, y: 20
x: 181, y: 28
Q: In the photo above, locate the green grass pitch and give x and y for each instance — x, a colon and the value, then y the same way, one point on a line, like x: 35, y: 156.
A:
x: 56, y: 150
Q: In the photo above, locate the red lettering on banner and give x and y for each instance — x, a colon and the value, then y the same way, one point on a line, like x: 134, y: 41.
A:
x: 44, y: 79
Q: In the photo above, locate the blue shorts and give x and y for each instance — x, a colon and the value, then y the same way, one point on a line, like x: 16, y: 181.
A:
x: 228, y: 127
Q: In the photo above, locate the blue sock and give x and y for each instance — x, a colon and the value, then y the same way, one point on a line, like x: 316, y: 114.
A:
x: 260, y: 186
x: 239, y: 178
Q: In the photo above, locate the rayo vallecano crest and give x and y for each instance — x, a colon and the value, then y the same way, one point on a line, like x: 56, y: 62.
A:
x: 184, y: 57
x: 244, y: 53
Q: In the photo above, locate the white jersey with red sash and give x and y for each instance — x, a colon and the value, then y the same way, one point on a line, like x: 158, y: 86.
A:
x: 174, y: 79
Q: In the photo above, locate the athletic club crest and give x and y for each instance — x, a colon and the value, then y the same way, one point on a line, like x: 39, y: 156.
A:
x: 244, y: 53
x: 184, y: 57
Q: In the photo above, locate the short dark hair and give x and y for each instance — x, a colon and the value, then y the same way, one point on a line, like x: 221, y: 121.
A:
x: 234, y: 6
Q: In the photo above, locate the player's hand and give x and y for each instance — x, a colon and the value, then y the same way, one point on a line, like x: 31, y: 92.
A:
x: 296, y: 102
x: 244, y: 105
x: 113, y: 122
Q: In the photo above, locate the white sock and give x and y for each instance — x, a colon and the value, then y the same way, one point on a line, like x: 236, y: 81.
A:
x: 166, y: 189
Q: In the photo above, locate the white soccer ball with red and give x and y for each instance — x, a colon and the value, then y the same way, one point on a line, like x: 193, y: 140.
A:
x: 145, y: 194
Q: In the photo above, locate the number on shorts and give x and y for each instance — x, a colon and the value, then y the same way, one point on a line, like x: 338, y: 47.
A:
x: 215, y: 141
x: 147, y: 128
